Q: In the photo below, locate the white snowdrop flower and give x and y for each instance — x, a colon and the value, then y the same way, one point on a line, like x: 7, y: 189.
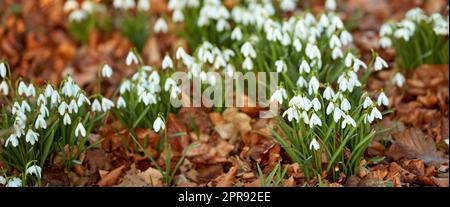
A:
x: 330, y: 5
x: 386, y: 29
x: 346, y: 37
x: 67, y: 120
x: 313, y: 85
x: 62, y: 108
x: 167, y: 62
x: 345, y: 105
x: 180, y: 53
x: 337, y: 114
x: 169, y: 84
x: 312, y: 51
x: 48, y: 91
x: 380, y: 63
x: 383, y: 99
x: 336, y: 53
x: 446, y: 141
x: 324, y: 21
x: 177, y: 16
x: 96, y: 106
x: 31, y: 137
x: 2, y: 180
x: 55, y: 98
x: 25, y: 106
x: 376, y: 113
x: 335, y: 42
x: 306, y: 104
x: 4, y: 88
x: 349, y: 59
x: 158, y: 124
x: 222, y: 25
x: 121, y: 103
x: 236, y: 34
x: 314, y: 143
x: 73, y: 107
x: 328, y: 93
x: 14, y: 182
x: 80, y: 130
x: 34, y: 170
x: 316, y: 104
x: 403, y: 33
x: 348, y: 120
x: 385, y: 42
x: 301, y: 82
x: 161, y: 26
x: 358, y: 64
x: 107, y: 71
x: 247, y: 50
x: 131, y: 58
x: 399, y: 80
x: 78, y: 15
x: 22, y: 89
x: 278, y: 96
x: 367, y: 102
x: 107, y: 104
x: 143, y: 5
x: 314, y: 121
x: 13, y: 140
x: 292, y: 114
x: 330, y: 108
x: 41, y: 100
x: 40, y: 122
x: 286, y: 40
x: 247, y: 64
x: 2, y: 70
x: 88, y: 6
x: 124, y: 4
x: 304, y: 67
x: 305, y: 117
x: 125, y: 86
x: 281, y: 66
x: 43, y: 110
x: 83, y: 99
x: 288, y: 5
x: 70, y: 5
x: 297, y: 45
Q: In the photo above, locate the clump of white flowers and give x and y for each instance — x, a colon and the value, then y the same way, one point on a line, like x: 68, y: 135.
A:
x: 43, y: 121
x: 418, y: 39
x: 146, y: 95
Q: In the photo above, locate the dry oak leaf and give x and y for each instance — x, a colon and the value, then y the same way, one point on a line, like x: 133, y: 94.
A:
x: 412, y: 143
x: 112, y: 177
x: 152, y: 177
x: 228, y: 179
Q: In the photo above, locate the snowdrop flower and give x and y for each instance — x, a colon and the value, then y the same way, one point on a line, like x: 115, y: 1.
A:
x: 66, y: 119
x: 314, y: 121
x: 367, y: 102
x: 78, y: 15
x: 349, y: 59
x: 292, y: 113
x: 301, y: 82
x: 281, y: 66
x: 336, y: 53
x: 382, y: 99
x: 2, y: 180
x: 335, y: 42
x: 73, y: 107
x: 44, y: 111
x: 167, y: 62
x: 337, y: 114
x: 62, y: 108
x: 80, y: 130
x: 346, y: 37
x: 297, y: 45
x: 312, y: 51
x: 31, y: 137
x: 14, y: 182
x: 22, y: 89
x: 314, y: 145
x: 161, y: 26
x: 313, y: 85
x: 4, y: 88
x: 380, y: 63
x: 158, y: 124
x: 358, y: 64
x: 96, y: 107
x: 403, y: 33
x: 330, y: 5
x: 278, y: 96
x: 177, y: 16
x: 180, y: 53
x: 247, y: 64
x: 13, y: 140
x: 40, y: 122
x: 288, y: 5
x: 70, y: 5
x: 446, y: 141
x: 345, y: 105
x: 121, y: 103
x: 35, y: 169
x: 247, y: 50
x: 399, y: 80
x: 348, y: 120
x: 143, y: 5
x: 131, y: 58
x: 169, y: 84
x: 328, y: 93
x: 316, y: 104
x: 2, y: 70
x: 304, y: 67
x: 376, y: 113
x: 330, y: 108
x: 221, y: 25
x: 107, y: 71
x: 107, y: 104
x: 236, y: 34
x: 386, y: 29
x: 385, y: 42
